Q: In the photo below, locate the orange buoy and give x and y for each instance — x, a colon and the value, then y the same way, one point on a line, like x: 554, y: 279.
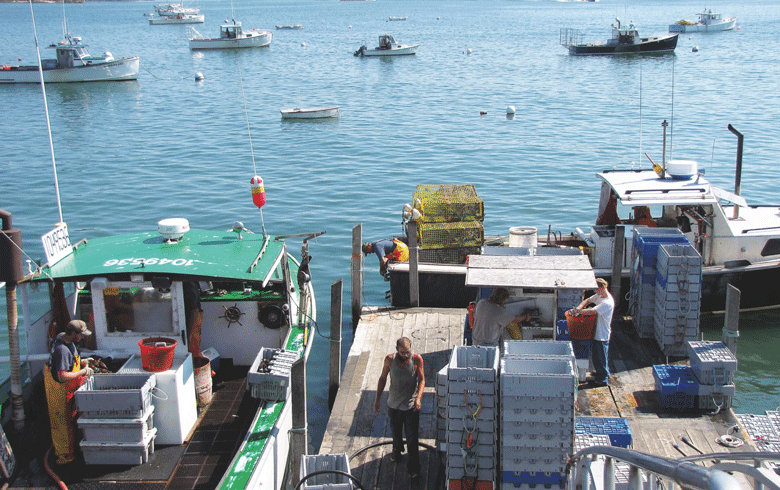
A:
x: 258, y: 191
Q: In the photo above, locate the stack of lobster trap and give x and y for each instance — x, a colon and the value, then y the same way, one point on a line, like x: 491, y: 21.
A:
x: 450, y: 227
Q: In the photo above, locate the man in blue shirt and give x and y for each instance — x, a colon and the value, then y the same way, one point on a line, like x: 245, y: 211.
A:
x: 387, y: 250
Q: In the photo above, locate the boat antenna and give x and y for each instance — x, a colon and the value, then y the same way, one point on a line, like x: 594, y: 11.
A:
x: 65, y: 33
x: 249, y: 131
x: 46, y: 110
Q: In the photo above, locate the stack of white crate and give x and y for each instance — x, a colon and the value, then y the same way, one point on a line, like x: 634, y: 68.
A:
x: 537, y: 420
x: 677, y: 297
x: 441, y: 409
x: 714, y: 366
x: 472, y: 414
x: 117, y: 418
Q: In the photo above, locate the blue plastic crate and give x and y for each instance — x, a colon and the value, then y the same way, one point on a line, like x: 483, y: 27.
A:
x: 616, y: 428
x: 677, y: 401
x: 547, y: 479
x: 670, y: 379
x: 562, y: 332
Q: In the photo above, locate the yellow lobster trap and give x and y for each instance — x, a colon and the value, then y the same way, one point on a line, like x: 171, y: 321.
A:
x: 447, y: 203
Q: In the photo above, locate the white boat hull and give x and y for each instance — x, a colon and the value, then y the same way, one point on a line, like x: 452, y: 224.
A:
x: 310, y: 113
x: 254, y: 39
x: 399, y: 51
x: 117, y: 70
x: 189, y: 19
x: 726, y: 25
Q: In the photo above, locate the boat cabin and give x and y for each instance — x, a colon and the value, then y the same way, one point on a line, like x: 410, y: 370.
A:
x: 150, y: 284
x: 386, y: 41
x: 719, y: 224
x: 624, y: 35
x: 231, y: 31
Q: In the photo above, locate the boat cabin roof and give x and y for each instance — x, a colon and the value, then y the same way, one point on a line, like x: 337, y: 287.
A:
x: 386, y: 39
x: 531, y: 271
x: 646, y: 188
x: 198, y: 254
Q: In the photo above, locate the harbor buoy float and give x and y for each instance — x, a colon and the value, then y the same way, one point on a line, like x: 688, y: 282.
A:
x: 510, y: 109
x: 199, y: 76
x: 258, y: 191
x: 695, y: 49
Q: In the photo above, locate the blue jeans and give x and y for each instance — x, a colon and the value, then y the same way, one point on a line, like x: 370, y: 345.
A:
x: 600, y: 354
x: 408, y: 420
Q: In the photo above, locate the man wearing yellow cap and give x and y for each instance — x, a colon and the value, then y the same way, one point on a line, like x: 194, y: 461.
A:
x: 64, y: 373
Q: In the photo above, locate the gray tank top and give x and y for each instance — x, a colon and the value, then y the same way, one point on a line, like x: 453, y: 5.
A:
x: 403, y: 385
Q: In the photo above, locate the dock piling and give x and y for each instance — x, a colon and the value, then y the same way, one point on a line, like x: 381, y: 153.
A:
x: 336, y: 293
x: 414, y: 278
x: 356, y: 271
x: 731, y: 320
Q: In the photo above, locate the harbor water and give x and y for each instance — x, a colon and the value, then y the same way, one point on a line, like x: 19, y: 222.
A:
x: 130, y: 154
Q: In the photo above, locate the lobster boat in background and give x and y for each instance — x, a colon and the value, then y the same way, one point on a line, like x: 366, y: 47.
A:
x: 739, y: 243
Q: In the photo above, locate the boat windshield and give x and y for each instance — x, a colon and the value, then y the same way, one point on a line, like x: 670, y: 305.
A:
x: 137, y: 308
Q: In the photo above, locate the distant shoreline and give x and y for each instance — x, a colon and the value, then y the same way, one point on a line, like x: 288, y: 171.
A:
x: 59, y: 1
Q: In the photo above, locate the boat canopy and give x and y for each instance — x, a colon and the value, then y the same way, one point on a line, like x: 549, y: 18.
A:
x: 531, y: 271
x: 646, y: 188
x: 198, y: 254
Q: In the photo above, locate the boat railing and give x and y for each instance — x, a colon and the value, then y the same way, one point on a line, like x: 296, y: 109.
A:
x: 570, y: 37
x: 596, y: 469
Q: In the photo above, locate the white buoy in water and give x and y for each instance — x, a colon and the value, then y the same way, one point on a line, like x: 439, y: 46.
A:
x: 303, y: 44
x: 695, y: 49
x: 199, y: 76
x: 468, y: 51
x: 510, y: 109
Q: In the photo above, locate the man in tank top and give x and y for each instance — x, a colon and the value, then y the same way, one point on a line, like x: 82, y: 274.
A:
x: 407, y: 381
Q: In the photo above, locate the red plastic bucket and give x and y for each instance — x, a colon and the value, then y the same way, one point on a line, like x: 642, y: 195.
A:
x: 581, y: 327
x: 157, y: 353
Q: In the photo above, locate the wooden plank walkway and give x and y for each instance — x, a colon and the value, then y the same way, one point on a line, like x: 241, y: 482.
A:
x: 353, y: 425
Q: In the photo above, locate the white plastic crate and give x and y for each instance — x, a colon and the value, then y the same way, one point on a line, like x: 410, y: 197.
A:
x: 273, y: 386
x: 484, y: 426
x: 117, y: 430
x: 473, y: 363
x: 479, y: 450
x: 487, y: 438
x: 126, y: 396
x: 562, y: 441
x: 538, y: 377
x: 727, y: 390
x: 564, y: 427
x: 712, y: 362
x: 539, y: 349
x: 582, y: 441
x: 522, y: 415
x: 457, y: 387
x: 458, y: 412
x: 714, y: 402
x: 441, y: 382
x: 118, y: 453
x: 471, y: 398
x: 482, y: 474
x: 327, y: 481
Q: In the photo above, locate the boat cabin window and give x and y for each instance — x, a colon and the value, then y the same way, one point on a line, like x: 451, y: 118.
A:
x: 138, y: 308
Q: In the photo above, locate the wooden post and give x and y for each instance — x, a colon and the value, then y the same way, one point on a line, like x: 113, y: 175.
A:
x: 617, y: 263
x: 298, y: 432
x: 356, y: 272
x: 414, y: 278
x: 731, y: 320
x: 336, y: 291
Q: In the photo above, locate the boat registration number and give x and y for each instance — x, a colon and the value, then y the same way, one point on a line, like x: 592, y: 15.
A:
x: 150, y: 261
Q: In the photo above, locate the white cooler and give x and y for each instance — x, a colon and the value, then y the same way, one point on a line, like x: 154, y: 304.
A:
x: 174, y: 417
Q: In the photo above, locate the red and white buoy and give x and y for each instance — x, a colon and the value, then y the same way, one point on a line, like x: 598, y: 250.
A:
x: 258, y: 191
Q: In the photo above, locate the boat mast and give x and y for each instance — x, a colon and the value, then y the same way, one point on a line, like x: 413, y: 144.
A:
x: 46, y: 108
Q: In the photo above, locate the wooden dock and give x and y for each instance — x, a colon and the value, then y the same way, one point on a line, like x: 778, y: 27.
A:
x: 354, y: 428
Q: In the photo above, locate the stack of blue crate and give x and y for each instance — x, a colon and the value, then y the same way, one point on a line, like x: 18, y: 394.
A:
x: 714, y: 365
x: 616, y: 428
x: 676, y: 386
x: 537, y: 420
x: 677, y: 297
x: 472, y: 414
x: 644, y: 254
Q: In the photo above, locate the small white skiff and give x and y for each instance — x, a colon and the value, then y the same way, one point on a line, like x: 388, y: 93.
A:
x: 310, y: 112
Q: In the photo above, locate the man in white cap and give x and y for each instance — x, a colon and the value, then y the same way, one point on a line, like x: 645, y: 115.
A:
x: 64, y: 373
x: 604, y: 307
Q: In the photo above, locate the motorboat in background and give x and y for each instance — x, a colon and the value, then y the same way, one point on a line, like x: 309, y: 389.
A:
x: 173, y: 9
x: 387, y: 47
x: 178, y: 19
x: 290, y: 27
x: 709, y: 21
x: 625, y: 40
x: 396, y: 18
x: 73, y: 64
x: 231, y: 35
x: 310, y: 112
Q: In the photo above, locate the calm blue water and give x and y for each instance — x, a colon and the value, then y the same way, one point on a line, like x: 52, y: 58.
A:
x: 130, y: 154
